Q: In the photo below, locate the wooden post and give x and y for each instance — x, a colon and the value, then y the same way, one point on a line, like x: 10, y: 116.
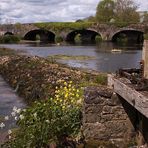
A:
x: 145, y: 58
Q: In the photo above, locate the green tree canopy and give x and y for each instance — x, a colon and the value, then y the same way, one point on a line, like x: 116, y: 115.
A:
x: 126, y: 11
x: 145, y: 17
x: 121, y: 11
x: 105, y: 11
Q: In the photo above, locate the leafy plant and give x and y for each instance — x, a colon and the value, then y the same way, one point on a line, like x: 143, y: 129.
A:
x: 48, y: 121
x: 9, y: 39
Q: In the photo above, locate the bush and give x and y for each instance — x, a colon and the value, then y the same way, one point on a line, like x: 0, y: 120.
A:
x: 146, y: 36
x: 48, y: 121
x: 98, y: 39
x: 58, y: 39
x: 9, y: 39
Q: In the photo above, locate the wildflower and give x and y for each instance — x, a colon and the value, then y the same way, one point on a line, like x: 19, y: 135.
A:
x: 9, y: 137
x: 65, y: 83
x: 18, y: 110
x: 15, y: 118
x: 21, y: 117
x: 77, y: 95
x: 70, y: 82
x: 63, y: 107
x: 47, y: 121
x: 9, y: 132
x: 56, y: 87
x: 24, y: 110
x: 35, y: 115
x: 66, y: 95
x: 6, y: 118
x: 2, y: 125
x: 14, y: 109
x: 13, y: 114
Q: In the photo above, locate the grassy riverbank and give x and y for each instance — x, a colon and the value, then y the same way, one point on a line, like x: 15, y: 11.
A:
x: 35, y: 78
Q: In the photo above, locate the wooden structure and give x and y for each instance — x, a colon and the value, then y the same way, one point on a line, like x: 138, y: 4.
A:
x: 145, y: 59
x: 132, y: 86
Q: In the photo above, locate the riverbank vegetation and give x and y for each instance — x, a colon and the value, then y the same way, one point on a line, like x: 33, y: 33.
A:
x: 54, y: 93
x: 9, y: 39
x: 59, y: 26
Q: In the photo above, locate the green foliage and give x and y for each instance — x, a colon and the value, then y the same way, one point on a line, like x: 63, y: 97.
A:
x: 98, y: 39
x: 121, y: 11
x: 59, y: 26
x: 47, y: 121
x: 145, y: 17
x: 105, y: 11
x: 146, y: 36
x: 77, y: 38
x: 37, y: 38
x: 9, y: 39
x: 122, y: 39
x: 58, y: 39
x: 101, y: 79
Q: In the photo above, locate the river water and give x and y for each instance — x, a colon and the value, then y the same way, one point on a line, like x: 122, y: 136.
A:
x: 104, y: 58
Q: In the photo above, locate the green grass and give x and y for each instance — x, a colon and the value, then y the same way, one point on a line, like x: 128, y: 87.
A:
x: 70, y: 57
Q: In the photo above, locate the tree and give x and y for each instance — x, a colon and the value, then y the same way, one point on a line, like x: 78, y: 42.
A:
x: 121, y: 11
x: 126, y: 11
x: 145, y: 17
x: 105, y: 11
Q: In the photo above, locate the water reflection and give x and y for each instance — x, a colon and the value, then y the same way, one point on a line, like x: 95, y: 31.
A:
x: 105, y: 60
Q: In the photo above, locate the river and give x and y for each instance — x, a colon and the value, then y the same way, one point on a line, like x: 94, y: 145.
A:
x: 104, y: 58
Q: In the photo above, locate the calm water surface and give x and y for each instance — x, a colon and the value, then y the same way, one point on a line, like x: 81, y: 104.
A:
x: 104, y: 59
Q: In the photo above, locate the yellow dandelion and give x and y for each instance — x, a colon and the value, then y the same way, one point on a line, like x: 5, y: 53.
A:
x: 65, y: 83
x: 77, y: 95
x: 63, y: 107
x: 66, y: 95
x: 78, y: 90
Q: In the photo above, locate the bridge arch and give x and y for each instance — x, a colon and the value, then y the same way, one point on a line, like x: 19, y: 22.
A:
x: 129, y: 36
x: 87, y: 36
x: 8, y: 33
x: 40, y: 34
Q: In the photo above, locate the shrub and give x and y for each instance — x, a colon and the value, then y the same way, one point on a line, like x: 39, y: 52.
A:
x: 58, y: 39
x: 98, y: 39
x: 9, y: 39
x: 146, y: 36
x: 48, y: 121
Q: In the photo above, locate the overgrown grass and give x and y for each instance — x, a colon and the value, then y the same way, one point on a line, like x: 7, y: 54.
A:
x: 146, y: 36
x: 9, y: 39
x: 70, y: 57
x: 59, y: 26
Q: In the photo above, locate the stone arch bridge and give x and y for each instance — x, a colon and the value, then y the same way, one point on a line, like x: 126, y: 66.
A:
x: 134, y: 32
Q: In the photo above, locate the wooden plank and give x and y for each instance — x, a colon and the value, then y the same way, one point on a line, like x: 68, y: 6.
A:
x: 145, y: 58
x: 133, y: 97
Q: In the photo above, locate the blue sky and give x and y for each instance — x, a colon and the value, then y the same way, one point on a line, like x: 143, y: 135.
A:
x: 25, y: 11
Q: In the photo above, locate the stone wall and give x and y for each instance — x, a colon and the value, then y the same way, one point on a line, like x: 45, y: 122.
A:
x: 104, y: 117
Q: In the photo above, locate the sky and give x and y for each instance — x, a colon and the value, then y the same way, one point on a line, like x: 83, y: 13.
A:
x: 29, y: 11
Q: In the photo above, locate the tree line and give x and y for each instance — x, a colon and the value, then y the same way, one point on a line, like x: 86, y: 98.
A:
x: 118, y: 12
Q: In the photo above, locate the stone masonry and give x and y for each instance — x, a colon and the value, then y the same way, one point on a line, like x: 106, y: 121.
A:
x: 104, y: 118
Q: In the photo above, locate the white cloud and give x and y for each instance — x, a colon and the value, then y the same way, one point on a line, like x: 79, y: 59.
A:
x: 26, y: 11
